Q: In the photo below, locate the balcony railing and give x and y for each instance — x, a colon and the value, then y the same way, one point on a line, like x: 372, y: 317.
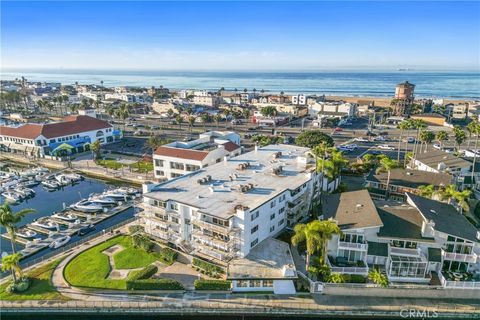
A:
x: 405, y: 251
x: 348, y: 270
x: 462, y: 257
x: 352, y: 246
x: 214, y: 227
x: 458, y: 284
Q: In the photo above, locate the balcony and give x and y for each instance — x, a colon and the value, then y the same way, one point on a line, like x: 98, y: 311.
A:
x: 461, y: 257
x: 214, y: 227
x: 352, y: 246
x: 448, y: 281
x: 348, y: 269
x: 405, y: 251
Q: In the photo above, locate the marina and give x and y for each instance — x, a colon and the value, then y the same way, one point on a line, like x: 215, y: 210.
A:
x: 77, y: 207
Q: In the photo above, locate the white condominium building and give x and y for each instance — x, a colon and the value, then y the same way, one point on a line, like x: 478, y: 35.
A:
x: 227, y: 209
x: 178, y: 158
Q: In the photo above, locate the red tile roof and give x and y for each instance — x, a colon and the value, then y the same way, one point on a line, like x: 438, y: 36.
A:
x: 181, y: 153
x: 69, y: 125
x: 230, y: 146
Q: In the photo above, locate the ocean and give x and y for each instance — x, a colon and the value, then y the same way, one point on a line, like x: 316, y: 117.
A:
x: 431, y: 84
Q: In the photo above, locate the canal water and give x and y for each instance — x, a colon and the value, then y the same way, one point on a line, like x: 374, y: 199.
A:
x: 46, y: 202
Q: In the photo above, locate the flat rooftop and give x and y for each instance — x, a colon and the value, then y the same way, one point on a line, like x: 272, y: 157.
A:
x: 265, y: 261
x: 222, y: 194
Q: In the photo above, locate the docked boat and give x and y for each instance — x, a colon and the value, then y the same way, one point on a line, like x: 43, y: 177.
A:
x: 50, y: 184
x: 26, y: 192
x: 26, y: 233
x: 86, y: 206
x: 61, y: 241
x: 129, y: 191
x: 103, y: 201
x: 117, y: 195
x: 64, y: 216
x: 46, y: 224
x: 11, y: 196
x: 30, y: 183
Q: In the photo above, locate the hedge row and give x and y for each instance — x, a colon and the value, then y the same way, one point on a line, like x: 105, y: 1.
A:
x: 209, y: 268
x: 144, y: 273
x: 154, y: 284
x: 143, y: 242
x: 168, y: 255
x: 201, y: 284
x: 354, y: 278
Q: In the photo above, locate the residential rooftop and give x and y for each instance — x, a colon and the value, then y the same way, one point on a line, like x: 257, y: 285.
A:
x: 269, y: 171
x: 410, y: 178
x: 351, y: 210
x: 433, y: 158
x: 401, y: 222
x: 270, y: 259
x: 447, y: 219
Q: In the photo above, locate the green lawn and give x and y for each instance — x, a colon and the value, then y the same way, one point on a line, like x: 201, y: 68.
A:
x: 91, y: 267
x: 40, y: 286
x: 140, y: 166
x: 131, y: 258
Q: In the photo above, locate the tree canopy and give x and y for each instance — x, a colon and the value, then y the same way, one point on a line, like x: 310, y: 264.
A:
x: 312, y: 138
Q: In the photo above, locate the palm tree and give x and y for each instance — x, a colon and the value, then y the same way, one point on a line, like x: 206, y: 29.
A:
x: 153, y: 142
x: 471, y: 129
x: 191, y: 122
x: 218, y: 117
x: 10, y: 219
x: 170, y: 112
x: 387, y: 165
x: 12, y: 263
x: 95, y: 147
x: 419, y: 125
x: 315, y: 234
x: 404, y: 125
x: 426, y: 137
x: 476, y: 131
x: 376, y: 276
x: 427, y: 191
x: 441, y: 137
x: 460, y: 136
x: 246, y: 113
x: 461, y: 198
x: 179, y: 120
x: 205, y: 118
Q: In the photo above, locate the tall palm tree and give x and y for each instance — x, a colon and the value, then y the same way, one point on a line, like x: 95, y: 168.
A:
x: 387, y: 165
x: 191, y: 122
x: 471, y: 129
x: 315, y: 234
x: 12, y: 263
x: 404, y: 125
x: 419, y: 125
x: 218, y: 117
x: 205, y: 118
x: 426, y: 137
x: 441, y: 137
x: 427, y: 191
x: 179, y: 120
x: 10, y: 219
x: 461, y: 198
x: 476, y: 131
x: 459, y: 135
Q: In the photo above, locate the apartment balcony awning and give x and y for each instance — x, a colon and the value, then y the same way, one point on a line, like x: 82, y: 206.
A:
x: 377, y: 249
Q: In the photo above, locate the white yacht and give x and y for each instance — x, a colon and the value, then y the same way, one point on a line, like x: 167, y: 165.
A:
x: 11, y: 196
x: 26, y: 233
x: 117, y: 195
x: 61, y: 241
x: 103, y: 201
x: 86, y: 206
x: 65, y: 216
x: 51, y: 184
x: 46, y: 224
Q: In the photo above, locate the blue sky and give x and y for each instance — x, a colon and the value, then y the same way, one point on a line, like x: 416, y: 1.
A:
x: 240, y: 35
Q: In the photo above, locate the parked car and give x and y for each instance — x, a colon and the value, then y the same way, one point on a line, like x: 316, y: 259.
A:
x: 386, y: 147
x: 351, y: 146
x: 437, y: 146
x: 337, y: 129
x: 236, y: 121
x: 344, y: 149
x: 138, y: 133
x: 361, y: 139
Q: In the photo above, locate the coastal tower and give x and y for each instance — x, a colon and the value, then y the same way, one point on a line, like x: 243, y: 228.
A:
x: 403, y: 99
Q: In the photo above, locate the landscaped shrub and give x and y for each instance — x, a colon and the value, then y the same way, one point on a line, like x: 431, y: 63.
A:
x: 154, y: 284
x: 206, y: 267
x: 142, y: 241
x: 201, y: 284
x: 354, y: 278
x: 144, y: 273
x: 168, y: 255
x: 360, y: 264
x: 19, y: 286
x: 136, y: 228
x: 336, y: 278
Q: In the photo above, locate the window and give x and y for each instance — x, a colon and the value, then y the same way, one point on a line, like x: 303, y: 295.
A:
x: 161, y: 204
x: 242, y: 283
x: 159, y: 173
x: 253, y: 243
x: 175, y: 220
x: 254, y: 215
x: 191, y: 167
x: 177, y: 165
x: 99, y: 133
x: 272, y: 216
x: 268, y: 283
x: 174, y: 206
x: 254, y: 229
x: 218, y: 160
x: 282, y: 198
x: 272, y: 204
x: 158, y: 163
x: 52, y: 141
x: 255, y: 283
x: 281, y: 222
x: 272, y: 228
x: 281, y: 210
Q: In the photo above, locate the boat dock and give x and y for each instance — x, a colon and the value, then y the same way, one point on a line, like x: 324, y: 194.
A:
x: 35, y: 245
